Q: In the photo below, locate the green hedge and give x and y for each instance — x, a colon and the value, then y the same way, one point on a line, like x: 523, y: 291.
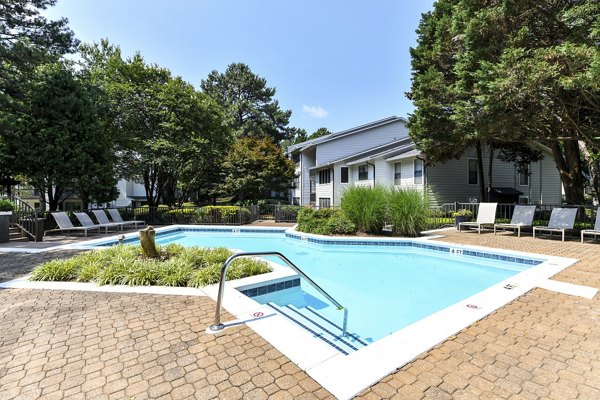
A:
x: 325, y: 221
x: 196, y: 215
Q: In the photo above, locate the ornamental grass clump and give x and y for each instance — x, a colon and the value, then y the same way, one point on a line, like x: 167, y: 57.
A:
x: 126, y: 265
x: 56, y: 270
x: 406, y: 211
x: 366, y: 207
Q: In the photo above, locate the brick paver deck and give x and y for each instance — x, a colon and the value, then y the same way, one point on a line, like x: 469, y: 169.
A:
x: 60, y: 344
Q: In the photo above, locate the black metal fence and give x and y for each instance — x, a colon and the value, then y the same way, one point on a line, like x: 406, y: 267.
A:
x: 438, y: 217
x: 442, y: 216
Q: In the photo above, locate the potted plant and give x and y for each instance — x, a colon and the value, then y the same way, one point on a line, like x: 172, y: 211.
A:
x: 6, y: 209
x: 462, y: 215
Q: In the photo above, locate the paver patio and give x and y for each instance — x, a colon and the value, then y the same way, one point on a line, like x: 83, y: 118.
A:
x: 62, y: 344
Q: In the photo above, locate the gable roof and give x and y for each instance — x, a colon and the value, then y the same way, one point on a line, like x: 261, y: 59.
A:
x: 341, y: 134
x: 389, y: 149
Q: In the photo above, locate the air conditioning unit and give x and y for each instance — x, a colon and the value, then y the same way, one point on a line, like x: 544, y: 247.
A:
x: 523, y: 199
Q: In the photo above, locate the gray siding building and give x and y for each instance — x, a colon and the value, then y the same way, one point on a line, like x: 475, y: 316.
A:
x: 382, y: 153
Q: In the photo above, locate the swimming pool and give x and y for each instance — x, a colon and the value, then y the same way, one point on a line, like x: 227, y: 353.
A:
x: 385, y: 285
x: 339, y: 369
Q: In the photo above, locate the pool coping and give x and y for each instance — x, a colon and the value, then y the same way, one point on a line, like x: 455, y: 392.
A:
x: 345, y: 376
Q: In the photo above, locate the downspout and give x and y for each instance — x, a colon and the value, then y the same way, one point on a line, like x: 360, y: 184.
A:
x: 301, y: 180
x: 424, y: 178
x: 541, y: 185
x: 373, y: 165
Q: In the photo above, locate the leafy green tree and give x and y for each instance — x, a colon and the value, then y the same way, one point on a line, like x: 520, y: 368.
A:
x: 546, y: 81
x: 58, y: 143
x: 27, y: 40
x: 489, y: 73
x: 254, y: 167
x: 319, y: 132
x: 299, y: 135
x: 248, y: 103
x: 163, y: 126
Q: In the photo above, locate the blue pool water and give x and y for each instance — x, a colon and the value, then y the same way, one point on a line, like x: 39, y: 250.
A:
x: 384, y: 288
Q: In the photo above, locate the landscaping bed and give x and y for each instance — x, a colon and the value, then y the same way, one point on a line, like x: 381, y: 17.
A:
x: 126, y: 265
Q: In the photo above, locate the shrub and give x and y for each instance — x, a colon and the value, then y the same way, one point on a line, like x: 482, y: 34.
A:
x: 125, y: 265
x: 205, y: 276
x: 56, y: 270
x: 239, y: 268
x: 287, y: 213
x: 365, y: 206
x: 175, y: 272
x: 186, y: 215
x: 224, y: 215
x: 6, y: 205
x: 407, y: 211
x: 325, y: 221
x: 463, y: 212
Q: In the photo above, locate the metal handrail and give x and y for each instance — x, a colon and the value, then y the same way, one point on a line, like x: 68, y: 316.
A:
x: 25, y: 218
x: 217, y: 326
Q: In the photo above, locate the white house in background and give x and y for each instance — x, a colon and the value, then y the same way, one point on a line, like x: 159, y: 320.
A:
x: 381, y: 152
x: 130, y: 194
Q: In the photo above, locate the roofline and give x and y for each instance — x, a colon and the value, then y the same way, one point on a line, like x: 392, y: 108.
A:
x: 344, y: 133
x: 400, y: 143
x: 364, y: 127
x: 397, y: 145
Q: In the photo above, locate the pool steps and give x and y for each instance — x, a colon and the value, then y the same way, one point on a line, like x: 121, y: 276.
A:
x: 310, y: 320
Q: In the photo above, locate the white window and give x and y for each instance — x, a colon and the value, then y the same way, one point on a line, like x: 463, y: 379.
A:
x: 363, y: 172
x: 324, y: 202
x: 473, y: 176
x: 398, y: 173
x: 524, y: 176
x: 418, y: 176
x: 344, y: 174
x: 324, y: 176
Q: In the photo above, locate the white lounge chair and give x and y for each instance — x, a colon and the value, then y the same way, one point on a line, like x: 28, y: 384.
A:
x: 65, y: 224
x: 116, y: 216
x: 595, y: 231
x: 522, y: 216
x: 103, y: 219
x: 561, y: 219
x: 85, y: 220
x: 486, y: 215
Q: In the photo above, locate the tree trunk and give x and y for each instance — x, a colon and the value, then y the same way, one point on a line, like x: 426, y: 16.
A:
x: 150, y: 186
x: 54, y: 194
x: 490, y: 175
x: 480, y: 174
x: 593, y: 167
x: 147, y: 241
x: 568, y: 162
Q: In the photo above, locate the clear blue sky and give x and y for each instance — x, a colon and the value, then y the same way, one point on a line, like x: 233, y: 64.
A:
x: 334, y: 63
